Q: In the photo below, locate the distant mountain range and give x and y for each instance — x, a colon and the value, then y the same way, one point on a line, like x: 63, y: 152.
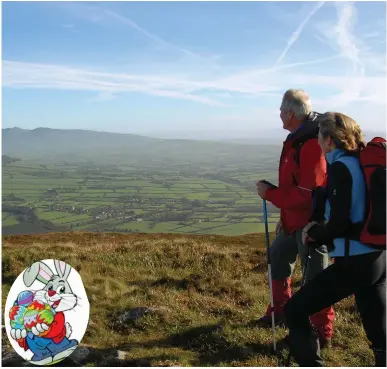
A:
x: 15, y: 139
x: 49, y: 144
x: 8, y: 160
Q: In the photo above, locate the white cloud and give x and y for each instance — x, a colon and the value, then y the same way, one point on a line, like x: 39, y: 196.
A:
x: 297, y: 33
x: 252, y: 83
x: 345, y: 37
x: 151, y: 36
x: 108, y: 18
x: 41, y: 76
x: 362, y: 84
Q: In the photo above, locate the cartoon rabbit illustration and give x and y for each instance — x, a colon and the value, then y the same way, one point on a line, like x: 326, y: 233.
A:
x: 49, y: 340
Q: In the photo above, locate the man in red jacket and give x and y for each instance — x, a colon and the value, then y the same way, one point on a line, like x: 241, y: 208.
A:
x: 302, y: 168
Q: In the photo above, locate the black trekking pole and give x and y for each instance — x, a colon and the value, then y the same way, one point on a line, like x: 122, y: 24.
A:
x: 306, y: 266
x: 303, y: 280
x: 269, y: 272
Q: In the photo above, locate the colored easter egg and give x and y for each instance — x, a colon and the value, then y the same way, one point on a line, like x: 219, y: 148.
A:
x: 16, y: 325
x: 30, y: 319
x: 38, y: 305
x: 45, y: 316
x: 25, y: 298
x: 16, y: 314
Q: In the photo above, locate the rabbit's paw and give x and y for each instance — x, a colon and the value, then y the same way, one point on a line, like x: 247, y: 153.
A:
x: 69, y: 330
x: 39, y: 328
x: 16, y: 334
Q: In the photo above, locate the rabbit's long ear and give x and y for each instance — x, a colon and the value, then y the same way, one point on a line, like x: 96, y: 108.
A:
x: 37, y: 271
x: 62, y: 268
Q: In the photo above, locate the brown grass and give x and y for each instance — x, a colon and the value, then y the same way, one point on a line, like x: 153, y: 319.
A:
x: 209, y: 289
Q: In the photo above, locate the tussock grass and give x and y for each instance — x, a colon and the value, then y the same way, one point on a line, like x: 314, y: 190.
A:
x: 206, y: 291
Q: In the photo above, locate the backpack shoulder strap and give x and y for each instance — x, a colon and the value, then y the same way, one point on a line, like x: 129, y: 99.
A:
x: 297, y: 144
x: 313, y: 133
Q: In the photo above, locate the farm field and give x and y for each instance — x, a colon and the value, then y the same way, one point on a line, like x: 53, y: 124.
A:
x: 128, y: 198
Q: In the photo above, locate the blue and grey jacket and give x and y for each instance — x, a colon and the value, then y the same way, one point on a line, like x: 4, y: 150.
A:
x: 345, y: 204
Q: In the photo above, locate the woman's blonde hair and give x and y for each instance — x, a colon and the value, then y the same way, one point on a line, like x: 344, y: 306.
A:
x: 344, y: 131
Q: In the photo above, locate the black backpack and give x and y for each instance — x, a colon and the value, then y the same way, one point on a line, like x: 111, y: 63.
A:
x: 297, y: 144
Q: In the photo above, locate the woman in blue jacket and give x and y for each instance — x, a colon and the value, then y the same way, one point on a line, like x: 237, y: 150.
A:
x: 363, y: 272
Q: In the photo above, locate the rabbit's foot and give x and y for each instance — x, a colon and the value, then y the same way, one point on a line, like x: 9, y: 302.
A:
x: 65, y: 353
x: 41, y: 361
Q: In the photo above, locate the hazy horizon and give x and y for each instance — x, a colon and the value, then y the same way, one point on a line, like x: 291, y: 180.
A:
x: 274, y: 136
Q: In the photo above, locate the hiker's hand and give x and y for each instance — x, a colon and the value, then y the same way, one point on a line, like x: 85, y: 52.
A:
x: 278, y: 228
x: 261, y: 189
x: 305, y: 237
x: 309, y: 241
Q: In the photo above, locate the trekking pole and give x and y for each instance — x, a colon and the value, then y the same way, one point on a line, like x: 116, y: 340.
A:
x: 303, y: 280
x: 305, y: 267
x: 269, y: 272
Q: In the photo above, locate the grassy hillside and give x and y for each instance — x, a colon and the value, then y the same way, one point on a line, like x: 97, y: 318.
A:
x: 205, y: 293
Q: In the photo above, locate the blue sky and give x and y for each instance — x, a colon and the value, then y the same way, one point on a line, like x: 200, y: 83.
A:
x: 214, y: 68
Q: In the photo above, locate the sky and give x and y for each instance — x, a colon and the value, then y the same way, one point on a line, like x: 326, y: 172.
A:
x: 189, y: 68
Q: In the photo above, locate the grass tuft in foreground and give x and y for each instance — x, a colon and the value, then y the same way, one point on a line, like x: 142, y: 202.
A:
x: 202, y: 295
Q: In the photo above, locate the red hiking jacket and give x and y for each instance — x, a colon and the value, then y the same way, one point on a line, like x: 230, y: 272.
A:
x: 294, y: 195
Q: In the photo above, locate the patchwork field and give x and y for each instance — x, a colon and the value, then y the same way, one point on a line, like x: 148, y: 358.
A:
x: 127, y: 198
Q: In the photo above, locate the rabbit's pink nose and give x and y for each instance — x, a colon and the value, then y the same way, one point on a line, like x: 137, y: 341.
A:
x: 51, y: 293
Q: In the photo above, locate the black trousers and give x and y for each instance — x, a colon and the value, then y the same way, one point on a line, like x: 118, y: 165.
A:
x: 363, y: 276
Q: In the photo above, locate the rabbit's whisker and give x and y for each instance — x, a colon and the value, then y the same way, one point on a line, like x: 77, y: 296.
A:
x: 67, y: 304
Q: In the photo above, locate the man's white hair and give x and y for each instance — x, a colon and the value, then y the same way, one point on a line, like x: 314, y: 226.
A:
x: 298, y: 102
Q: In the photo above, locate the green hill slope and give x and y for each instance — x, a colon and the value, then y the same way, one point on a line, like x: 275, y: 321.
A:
x: 194, y: 298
